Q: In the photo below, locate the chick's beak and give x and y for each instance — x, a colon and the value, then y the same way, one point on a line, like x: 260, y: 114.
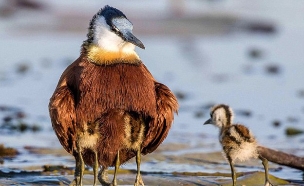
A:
x: 132, y: 39
x: 209, y: 121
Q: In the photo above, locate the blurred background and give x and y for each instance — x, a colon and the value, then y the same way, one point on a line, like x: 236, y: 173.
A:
x: 248, y: 54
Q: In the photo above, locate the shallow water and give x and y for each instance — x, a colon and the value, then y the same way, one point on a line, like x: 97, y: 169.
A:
x: 203, y: 68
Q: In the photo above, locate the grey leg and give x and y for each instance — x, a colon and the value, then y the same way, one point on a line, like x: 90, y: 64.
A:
x: 117, y: 164
x: 265, y: 164
x: 138, y: 180
x: 103, y: 176
x: 233, y: 174
x: 95, y: 167
x: 81, y: 166
x: 76, y: 180
x: 79, y: 169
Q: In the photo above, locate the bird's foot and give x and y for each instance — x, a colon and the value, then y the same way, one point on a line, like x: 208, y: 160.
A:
x: 268, y: 183
x: 103, y: 177
x: 105, y: 183
x: 139, y: 181
x: 114, y: 183
x: 75, y: 182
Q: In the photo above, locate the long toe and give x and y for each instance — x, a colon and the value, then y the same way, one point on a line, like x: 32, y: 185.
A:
x: 114, y: 183
x: 105, y: 183
x: 268, y: 183
x: 139, y: 181
x: 103, y: 178
x: 75, y: 182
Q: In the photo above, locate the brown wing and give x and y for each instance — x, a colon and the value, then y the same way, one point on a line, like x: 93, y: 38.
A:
x: 62, y: 113
x: 166, y: 105
x: 244, y: 133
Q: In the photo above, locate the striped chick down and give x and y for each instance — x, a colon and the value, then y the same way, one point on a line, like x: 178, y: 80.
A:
x: 238, y: 143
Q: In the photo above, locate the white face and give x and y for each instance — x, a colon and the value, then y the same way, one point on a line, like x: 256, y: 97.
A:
x: 219, y: 117
x: 108, y: 40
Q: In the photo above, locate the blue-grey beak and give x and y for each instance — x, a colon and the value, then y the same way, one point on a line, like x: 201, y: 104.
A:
x: 209, y: 121
x: 124, y: 26
x: 128, y: 36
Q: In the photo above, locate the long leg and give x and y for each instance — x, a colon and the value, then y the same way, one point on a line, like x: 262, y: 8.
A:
x: 265, y: 164
x: 233, y: 175
x: 103, y: 176
x: 117, y: 164
x: 138, y: 180
x: 76, y: 180
x: 79, y: 169
x: 81, y: 165
x: 95, y: 167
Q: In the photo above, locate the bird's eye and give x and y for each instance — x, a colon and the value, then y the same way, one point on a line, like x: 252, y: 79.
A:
x: 115, y: 29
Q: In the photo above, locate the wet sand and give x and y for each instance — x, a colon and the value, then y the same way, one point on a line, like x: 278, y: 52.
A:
x: 63, y: 175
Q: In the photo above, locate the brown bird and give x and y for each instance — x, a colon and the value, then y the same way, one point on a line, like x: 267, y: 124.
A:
x: 107, y: 108
x: 237, y: 141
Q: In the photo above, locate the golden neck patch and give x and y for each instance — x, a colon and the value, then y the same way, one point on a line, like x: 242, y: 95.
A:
x: 101, y: 56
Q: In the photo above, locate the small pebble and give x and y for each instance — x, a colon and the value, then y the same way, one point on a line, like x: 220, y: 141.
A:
x: 7, y: 119
x: 180, y: 95
x: 255, y: 53
x: 7, y: 151
x: 300, y: 93
x: 246, y: 113
x: 260, y: 27
x: 276, y: 123
x: 290, y: 131
x: 22, y: 68
x: 272, y: 69
x: 199, y: 114
x: 292, y: 119
x: 20, y: 115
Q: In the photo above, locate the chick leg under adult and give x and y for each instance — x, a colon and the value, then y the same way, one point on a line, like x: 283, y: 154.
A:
x: 233, y: 174
x: 79, y: 169
x: 117, y: 163
x: 265, y: 164
x: 95, y: 167
x: 138, y: 180
x: 103, y: 176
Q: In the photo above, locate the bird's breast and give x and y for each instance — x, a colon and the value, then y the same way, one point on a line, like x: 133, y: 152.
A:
x: 127, y: 87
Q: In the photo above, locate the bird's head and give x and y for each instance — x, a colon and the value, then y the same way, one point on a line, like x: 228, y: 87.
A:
x: 110, y: 33
x: 220, y: 115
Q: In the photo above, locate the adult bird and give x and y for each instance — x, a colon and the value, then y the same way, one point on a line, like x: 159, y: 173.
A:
x: 107, y: 108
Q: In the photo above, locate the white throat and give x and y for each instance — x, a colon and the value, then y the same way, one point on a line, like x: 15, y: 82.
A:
x: 108, y: 40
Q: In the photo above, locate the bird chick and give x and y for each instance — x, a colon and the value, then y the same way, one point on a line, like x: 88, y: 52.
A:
x: 237, y: 141
x: 107, y: 107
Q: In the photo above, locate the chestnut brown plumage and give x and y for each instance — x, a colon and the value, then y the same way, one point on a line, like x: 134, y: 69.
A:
x: 107, y: 110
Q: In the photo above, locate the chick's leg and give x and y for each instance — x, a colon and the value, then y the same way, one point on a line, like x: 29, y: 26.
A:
x: 265, y: 164
x: 103, y: 176
x: 79, y: 169
x: 138, y: 180
x: 117, y: 164
x: 233, y: 174
x: 95, y: 167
